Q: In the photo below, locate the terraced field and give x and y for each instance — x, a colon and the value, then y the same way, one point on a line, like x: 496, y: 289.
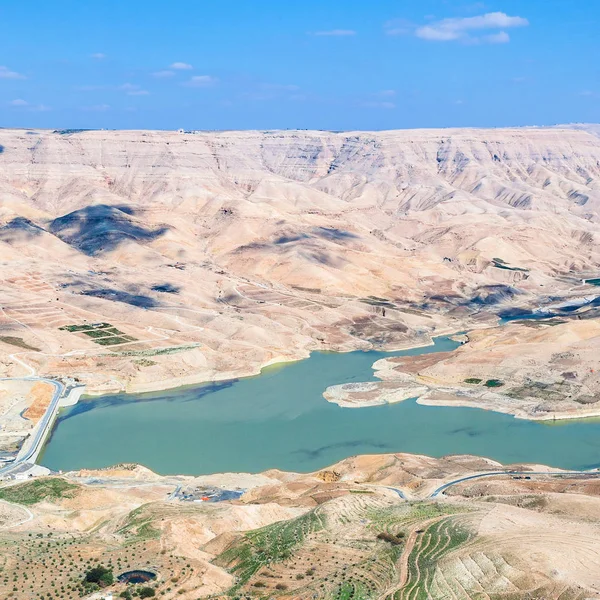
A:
x: 353, y: 547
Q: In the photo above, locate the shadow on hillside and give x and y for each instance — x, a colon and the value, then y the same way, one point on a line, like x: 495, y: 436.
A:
x: 101, y: 228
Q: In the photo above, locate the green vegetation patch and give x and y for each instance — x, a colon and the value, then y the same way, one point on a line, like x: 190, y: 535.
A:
x: 139, y: 526
x: 99, y: 576
x: 493, y: 383
x: 45, y: 488
x: 97, y: 333
x: 473, y: 380
x: 156, y: 351
x: 76, y: 328
x: 114, y: 331
x: 18, y: 342
x: 271, y: 544
x: 103, y: 334
x: 144, y: 362
x: 350, y: 590
x: 375, y: 301
x: 433, y: 544
x: 112, y: 341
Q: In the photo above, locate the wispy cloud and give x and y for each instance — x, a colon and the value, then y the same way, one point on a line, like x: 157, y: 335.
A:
x: 200, y: 81
x: 24, y: 105
x: 463, y: 29
x: 98, y: 55
x: 132, y: 89
x: 334, y: 33
x: 6, y: 73
x: 385, y: 93
x: 181, y: 66
x: 497, y: 38
x: 163, y: 74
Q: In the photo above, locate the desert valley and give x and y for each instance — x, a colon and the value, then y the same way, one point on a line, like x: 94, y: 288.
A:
x: 346, y: 364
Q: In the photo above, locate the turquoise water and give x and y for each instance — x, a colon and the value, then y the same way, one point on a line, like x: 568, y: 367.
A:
x: 280, y: 419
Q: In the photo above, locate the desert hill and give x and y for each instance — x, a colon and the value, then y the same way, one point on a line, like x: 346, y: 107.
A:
x: 211, y: 254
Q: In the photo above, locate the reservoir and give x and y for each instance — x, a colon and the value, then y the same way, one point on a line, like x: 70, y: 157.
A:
x: 279, y: 419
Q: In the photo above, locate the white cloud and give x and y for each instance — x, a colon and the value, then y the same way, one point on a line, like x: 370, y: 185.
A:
x: 201, y: 81
x: 497, y: 38
x: 132, y: 89
x: 181, y: 66
x: 98, y: 55
x: 163, y: 74
x: 386, y: 93
x: 335, y: 33
x: 6, y: 73
x: 454, y: 29
x: 20, y: 103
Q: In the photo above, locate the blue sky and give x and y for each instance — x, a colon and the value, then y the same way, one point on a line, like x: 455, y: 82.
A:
x: 316, y: 64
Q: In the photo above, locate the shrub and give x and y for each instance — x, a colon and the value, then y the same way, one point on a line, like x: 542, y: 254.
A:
x: 99, y: 575
x: 146, y: 592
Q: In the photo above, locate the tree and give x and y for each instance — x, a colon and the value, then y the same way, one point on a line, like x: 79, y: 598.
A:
x: 146, y: 592
x: 99, y: 575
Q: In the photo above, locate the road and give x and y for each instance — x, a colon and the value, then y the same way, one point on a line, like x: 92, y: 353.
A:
x: 31, y: 447
x: 445, y: 486
x: 29, y: 517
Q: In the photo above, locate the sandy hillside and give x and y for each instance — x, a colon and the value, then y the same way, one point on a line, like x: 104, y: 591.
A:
x: 207, y: 255
x: 344, y: 531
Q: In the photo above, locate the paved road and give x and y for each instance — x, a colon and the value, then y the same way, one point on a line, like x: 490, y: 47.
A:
x: 445, y: 486
x: 33, y: 446
x: 399, y: 492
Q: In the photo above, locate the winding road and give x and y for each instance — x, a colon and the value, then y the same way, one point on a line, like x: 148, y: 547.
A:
x: 445, y: 486
x: 32, y: 446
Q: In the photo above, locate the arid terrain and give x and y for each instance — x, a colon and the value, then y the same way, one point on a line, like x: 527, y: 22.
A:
x: 143, y: 260
x: 206, y: 256
x: 367, y: 527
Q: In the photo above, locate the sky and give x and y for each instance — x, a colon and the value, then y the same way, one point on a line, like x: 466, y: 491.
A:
x: 310, y: 64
